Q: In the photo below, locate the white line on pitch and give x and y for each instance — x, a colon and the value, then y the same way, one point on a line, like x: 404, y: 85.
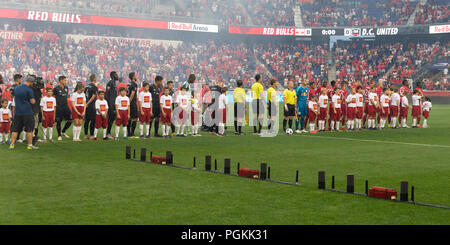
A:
x: 378, y: 141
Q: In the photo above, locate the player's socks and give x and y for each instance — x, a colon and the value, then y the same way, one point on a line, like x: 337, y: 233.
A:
x: 44, y: 133
x: 50, y: 133
x: 66, y: 126
x: 104, y: 133
x: 311, y: 127
x: 364, y: 120
x: 163, y: 129
x: 284, y: 124
x: 337, y: 125
x: 133, y: 127
x: 414, y: 122
x: 240, y: 129
x: 349, y: 124
x: 369, y: 123
x: 129, y: 127
x: 302, y: 123
x: 255, y: 122
x: 172, y: 127
x: 296, y: 124
x: 95, y: 133
x: 403, y: 122
x: 147, y: 128
x: 157, y: 127
x: 353, y: 124
x: 425, y: 123
x: 260, y: 126
x: 177, y: 130
x: 290, y: 123
x: 168, y: 128
x: 1, y: 137
x: 117, y: 131
x: 182, y: 129
x: 394, y: 121
x: 332, y: 125
x: 125, y: 132
x: 141, y: 129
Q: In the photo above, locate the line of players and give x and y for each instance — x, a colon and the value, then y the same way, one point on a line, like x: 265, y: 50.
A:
x: 351, y: 105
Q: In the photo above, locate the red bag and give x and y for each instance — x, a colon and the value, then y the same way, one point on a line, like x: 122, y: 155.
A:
x: 249, y: 173
x: 382, y: 192
x: 158, y: 159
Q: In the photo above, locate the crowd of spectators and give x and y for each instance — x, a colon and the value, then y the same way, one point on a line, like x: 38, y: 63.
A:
x: 356, y: 13
x: 285, y: 60
x: 434, y: 11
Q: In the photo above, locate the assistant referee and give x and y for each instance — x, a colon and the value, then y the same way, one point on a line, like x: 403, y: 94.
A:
x: 257, y: 104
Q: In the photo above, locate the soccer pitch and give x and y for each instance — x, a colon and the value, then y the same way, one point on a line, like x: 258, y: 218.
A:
x: 91, y: 182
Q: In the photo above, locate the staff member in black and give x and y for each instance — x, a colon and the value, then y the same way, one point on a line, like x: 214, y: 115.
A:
x: 216, y: 91
x: 111, y: 95
x: 132, y: 89
x: 61, y: 93
x: 155, y: 90
x: 90, y: 91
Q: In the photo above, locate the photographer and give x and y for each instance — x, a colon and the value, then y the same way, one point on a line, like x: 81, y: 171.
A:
x: 23, y: 118
x: 37, y: 86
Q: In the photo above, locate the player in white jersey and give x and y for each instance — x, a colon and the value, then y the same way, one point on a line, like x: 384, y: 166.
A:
x: 394, y: 107
x: 48, y: 106
x: 5, y: 121
x: 426, y: 107
x: 183, y: 105
x: 78, y: 110
x: 323, y: 107
x: 313, y: 111
x: 384, y: 110
x: 222, y: 111
x: 145, y: 110
x: 404, y: 109
x: 359, y: 108
x: 101, y: 117
x: 351, y: 102
x: 122, y: 105
x: 416, y: 110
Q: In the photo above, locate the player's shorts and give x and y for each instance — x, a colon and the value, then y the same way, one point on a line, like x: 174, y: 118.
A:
x: 415, y: 111
x: 195, y: 117
x: 183, y: 116
x: 134, y: 113
x: 223, y: 115
x: 156, y: 113
x: 323, y: 114
x: 372, y: 111
x: 336, y: 116
x: 394, y: 111
x: 23, y: 123
x: 168, y: 117
x: 359, y: 112
x: 330, y: 112
x: 4, y: 127
x: 63, y: 113
x: 426, y: 114
x: 302, y: 110
x: 123, y: 118
x: 311, y: 116
x: 366, y: 107
x: 239, y: 110
x: 258, y: 107
x: 272, y: 109
x: 101, y: 122
x: 404, y: 112
x: 49, y: 119
x: 351, y: 113
x: 384, y: 112
x: 290, y: 111
x: 80, y: 110
x: 147, y: 115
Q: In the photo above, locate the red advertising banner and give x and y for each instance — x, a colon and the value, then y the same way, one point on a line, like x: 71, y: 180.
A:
x: 270, y: 31
x: 27, y: 36
x: 81, y: 19
x: 439, y: 93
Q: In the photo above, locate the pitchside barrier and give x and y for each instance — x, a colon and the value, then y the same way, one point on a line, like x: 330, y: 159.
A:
x: 263, y: 174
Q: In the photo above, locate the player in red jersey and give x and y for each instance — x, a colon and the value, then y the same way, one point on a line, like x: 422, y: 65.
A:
x: 330, y: 94
x: 344, y: 94
x: 419, y: 88
x: 319, y: 89
x: 379, y: 92
x: 367, y: 91
x: 401, y: 91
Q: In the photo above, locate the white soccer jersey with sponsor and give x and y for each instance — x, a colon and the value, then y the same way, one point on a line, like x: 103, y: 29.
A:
x: 416, y: 100
x: 48, y: 104
x: 123, y: 102
x: 395, y: 99
x: 312, y: 105
x: 183, y: 101
x: 79, y: 99
x: 323, y: 101
x: 336, y: 99
x: 5, y: 115
x: 222, y: 101
x: 145, y: 98
x: 373, y: 97
x: 166, y: 101
x: 427, y: 105
x: 359, y: 100
x: 384, y: 100
x: 405, y: 102
x: 101, y: 105
x: 351, y: 100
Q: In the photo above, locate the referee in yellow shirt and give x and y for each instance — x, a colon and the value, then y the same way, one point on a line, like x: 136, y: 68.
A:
x: 272, y: 106
x: 239, y: 107
x: 257, y: 104
x: 290, y: 104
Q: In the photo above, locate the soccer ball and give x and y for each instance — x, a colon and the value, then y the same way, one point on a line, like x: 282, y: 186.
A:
x: 289, y: 131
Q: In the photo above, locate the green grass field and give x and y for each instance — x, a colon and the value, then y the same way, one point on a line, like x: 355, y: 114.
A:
x: 91, y: 182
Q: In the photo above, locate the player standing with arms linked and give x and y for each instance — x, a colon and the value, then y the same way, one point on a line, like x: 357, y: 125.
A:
x: 257, y: 104
x: 302, y: 92
x: 132, y: 89
x: 90, y: 91
x: 156, y: 89
x: 63, y: 112
x: 111, y: 95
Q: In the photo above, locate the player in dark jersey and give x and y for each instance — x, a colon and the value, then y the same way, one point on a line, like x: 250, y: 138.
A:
x: 110, y: 96
x: 91, y: 91
x: 61, y: 93
x: 132, y: 90
x: 216, y: 91
x: 155, y: 90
